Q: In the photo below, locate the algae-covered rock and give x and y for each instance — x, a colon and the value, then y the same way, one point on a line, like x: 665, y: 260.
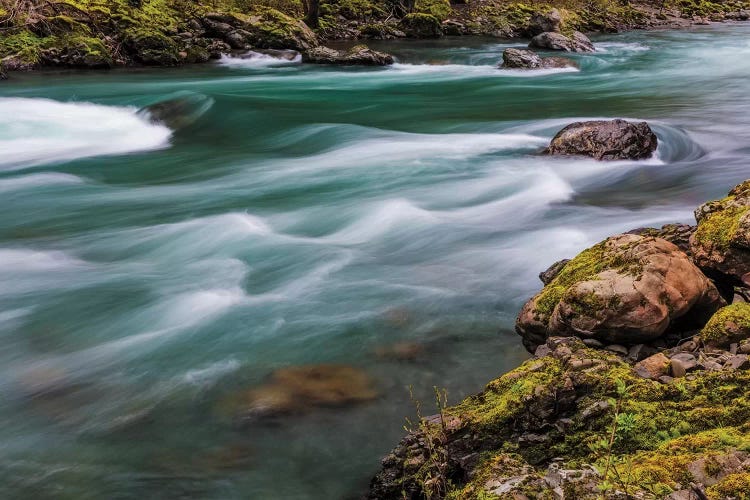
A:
x: 626, y: 290
x: 532, y: 432
x: 605, y: 140
x: 721, y: 243
x: 418, y: 25
x: 730, y: 324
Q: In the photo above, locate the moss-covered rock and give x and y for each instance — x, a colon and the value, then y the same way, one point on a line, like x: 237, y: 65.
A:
x: 270, y: 29
x: 627, y: 289
x: 152, y: 47
x: 76, y: 52
x: 729, y: 325
x: 721, y: 243
x: 557, y: 413
x: 418, y: 25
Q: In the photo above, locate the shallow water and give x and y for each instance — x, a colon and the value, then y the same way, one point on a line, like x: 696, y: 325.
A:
x: 309, y: 215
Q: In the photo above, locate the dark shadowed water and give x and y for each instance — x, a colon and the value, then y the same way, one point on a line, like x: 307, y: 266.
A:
x: 298, y: 215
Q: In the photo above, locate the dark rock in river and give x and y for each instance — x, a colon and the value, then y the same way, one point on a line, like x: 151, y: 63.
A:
x: 543, y: 22
x: 359, y: 55
x: 625, y: 290
x: 605, y: 140
x: 528, y: 59
x: 557, y: 41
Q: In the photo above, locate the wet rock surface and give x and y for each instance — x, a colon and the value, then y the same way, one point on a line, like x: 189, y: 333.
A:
x: 605, y: 140
x: 528, y: 59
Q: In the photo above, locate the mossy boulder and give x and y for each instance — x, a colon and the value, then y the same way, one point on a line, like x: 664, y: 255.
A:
x: 729, y: 325
x: 721, y: 243
x: 605, y: 140
x: 268, y: 28
x: 628, y: 289
x: 539, y: 427
x: 77, y: 52
x: 419, y: 25
x: 152, y: 48
x: 528, y: 59
x: 543, y: 22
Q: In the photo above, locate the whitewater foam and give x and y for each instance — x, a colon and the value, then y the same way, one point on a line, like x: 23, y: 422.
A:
x: 42, y: 131
x: 253, y: 59
x: 38, y: 180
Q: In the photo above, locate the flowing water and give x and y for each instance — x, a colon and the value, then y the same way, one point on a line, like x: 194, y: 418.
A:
x: 298, y: 215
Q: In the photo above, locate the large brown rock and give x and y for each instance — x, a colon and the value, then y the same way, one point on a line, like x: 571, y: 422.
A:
x: 721, y: 243
x: 625, y: 290
x: 605, y: 140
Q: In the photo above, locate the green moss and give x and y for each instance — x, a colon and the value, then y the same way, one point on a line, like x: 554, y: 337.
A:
x: 735, y: 486
x: 729, y: 324
x: 719, y: 228
x: 352, y: 9
x: 440, y: 9
x: 421, y: 25
x: 674, y: 424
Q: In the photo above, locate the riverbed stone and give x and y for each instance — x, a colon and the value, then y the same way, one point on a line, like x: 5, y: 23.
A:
x: 653, y: 367
x: 605, y: 140
x: 625, y: 290
x: 301, y: 388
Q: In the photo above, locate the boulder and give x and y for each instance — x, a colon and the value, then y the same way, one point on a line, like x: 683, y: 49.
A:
x: 627, y: 290
x: 578, y: 42
x: 652, y: 367
x: 605, y: 140
x: 264, y: 28
x: 358, y: 55
x: 730, y: 324
x: 721, y: 243
x: 544, y: 22
x: 528, y: 59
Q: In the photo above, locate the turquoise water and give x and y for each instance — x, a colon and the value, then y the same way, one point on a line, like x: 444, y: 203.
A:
x: 303, y: 215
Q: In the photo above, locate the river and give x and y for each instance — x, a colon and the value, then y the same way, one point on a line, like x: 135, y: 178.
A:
x: 301, y: 215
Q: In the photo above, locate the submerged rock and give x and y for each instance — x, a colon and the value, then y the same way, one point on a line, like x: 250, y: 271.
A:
x: 301, y: 388
x: 528, y: 59
x: 578, y: 42
x: 721, y: 243
x: 356, y: 56
x: 605, y: 140
x: 625, y: 290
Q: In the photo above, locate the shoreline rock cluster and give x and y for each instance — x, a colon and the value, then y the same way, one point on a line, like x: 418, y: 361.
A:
x: 85, y: 35
x: 638, y: 385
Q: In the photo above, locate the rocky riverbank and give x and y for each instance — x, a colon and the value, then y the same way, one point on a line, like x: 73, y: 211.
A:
x: 638, y: 385
x: 96, y: 34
